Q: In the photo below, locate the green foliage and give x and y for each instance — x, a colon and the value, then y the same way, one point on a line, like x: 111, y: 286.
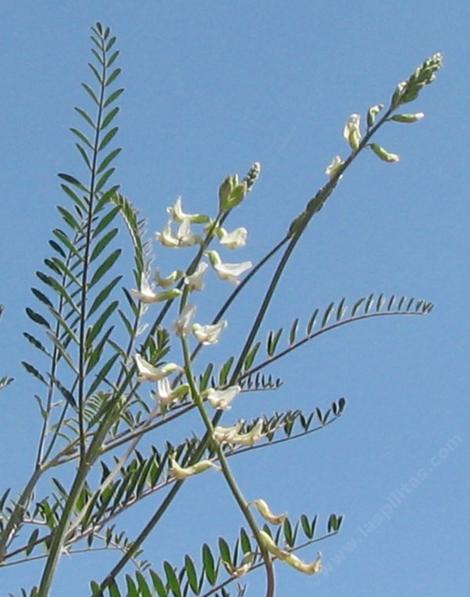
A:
x: 87, y: 331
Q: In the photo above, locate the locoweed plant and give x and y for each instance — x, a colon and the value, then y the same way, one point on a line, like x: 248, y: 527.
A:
x: 116, y: 363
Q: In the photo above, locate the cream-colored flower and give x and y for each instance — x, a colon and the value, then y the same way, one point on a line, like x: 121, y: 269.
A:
x: 235, y: 239
x: 251, y: 437
x: 266, y: 513
x: 167, y: 281
x: 312, y: 568
x: 334, y: 166
x: 184, y: 236
x: 271, y: 546
x: 228, y: 271
x: 167, y: 238
x: 209, y: 334
x: 180, y: 472
x: 222, y: 399
x: 166, y: 395
x: 148, y: 372
x: 223, y: 435
x: 147, y: 295
x: 178, y: 215
x: 352, y: 132
x: 183, y: 324
x: 195, y: 281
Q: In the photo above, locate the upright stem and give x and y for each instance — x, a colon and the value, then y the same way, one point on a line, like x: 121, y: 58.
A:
x: 86, y: 264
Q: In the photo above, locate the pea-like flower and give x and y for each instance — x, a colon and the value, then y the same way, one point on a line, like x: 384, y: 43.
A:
x: 147, y: 295
x: 266, y: 513
x: 352, y: 132
x: 178, y: 215
x: 334, y: 167
x: 312, y: 568
x: 195, y: 281
x: 183, y: 324
x: 228, y: 271
x: 148, y: 372
x: 235, y: 239
x: 184, y: 236
x: 224, y: 435
x: 209, y: 334
x: 269, y: 543
x: 180, y: 472
x: 166, y: 395
x: 168, y: 281
x: 251, y: 437
x: 222, y: 399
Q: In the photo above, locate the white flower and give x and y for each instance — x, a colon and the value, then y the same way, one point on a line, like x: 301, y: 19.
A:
x: 183, y: 237
x: 166, y: 282
x: 221, y: 399
x: 250, y: 438
x: 266, y: 513
x: 272, y: 547
x: 166, y: 395
x: 180, y: 472
x: 235, y: 239
x: 195, y: 281
x: 228, y: 271
x: 223, y: 435
x: 209, y: 334
x: 334, y: 166
x: 148, y: 372
x: 182, y: 325
x: 312, y: 568
x: 178, y: 215
x: 352, y: 132
x: 166, y: 238
x: 147, y: 295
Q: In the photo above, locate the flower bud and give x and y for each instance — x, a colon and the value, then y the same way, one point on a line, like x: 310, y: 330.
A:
x: 334, y: 167
x: 407, y: 118
x: 372, y: 114
x: 252, y: 176
x: 352, y: 132
x: 383, y: 154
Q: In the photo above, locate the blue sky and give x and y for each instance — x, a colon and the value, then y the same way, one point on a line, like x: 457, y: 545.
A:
x: 211, y: 88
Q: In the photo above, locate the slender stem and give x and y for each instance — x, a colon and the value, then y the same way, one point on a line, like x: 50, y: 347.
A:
x: 16, y: 516
x: 60, y: 531
x: 312, y: 207
x: 86, y: 264
x: 229, y: 477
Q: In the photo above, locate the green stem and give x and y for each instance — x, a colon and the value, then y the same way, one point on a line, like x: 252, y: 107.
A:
x: 313, y: 207
x: 60, y: 531
x: 229, y: 477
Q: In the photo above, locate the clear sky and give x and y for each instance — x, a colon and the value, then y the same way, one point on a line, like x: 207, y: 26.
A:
x: 213, y: 86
